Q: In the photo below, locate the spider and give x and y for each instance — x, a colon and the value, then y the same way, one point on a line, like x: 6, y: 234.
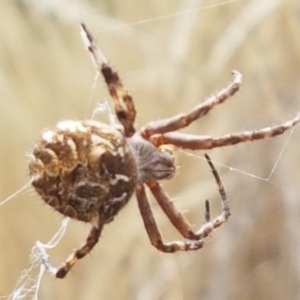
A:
x: 89, y: 170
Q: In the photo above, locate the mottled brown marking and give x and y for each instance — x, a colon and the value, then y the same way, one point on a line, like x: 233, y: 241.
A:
x: 78, y: 182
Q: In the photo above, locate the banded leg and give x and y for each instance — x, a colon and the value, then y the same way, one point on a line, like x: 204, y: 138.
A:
x: 183, y: 120
x: 91, y: 241
x: 177, y: 218
x: 197, y: 142
x: 153, y: 231
x: 123, y: 103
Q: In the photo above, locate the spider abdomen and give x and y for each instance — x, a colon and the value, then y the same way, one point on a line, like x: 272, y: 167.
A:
x: 84, y: 169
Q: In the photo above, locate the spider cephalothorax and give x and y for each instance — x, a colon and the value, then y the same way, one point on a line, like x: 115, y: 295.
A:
x: 152, y: 163
x: 88, y: 170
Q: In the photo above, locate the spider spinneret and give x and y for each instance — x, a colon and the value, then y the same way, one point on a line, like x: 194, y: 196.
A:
x: 88, y: 170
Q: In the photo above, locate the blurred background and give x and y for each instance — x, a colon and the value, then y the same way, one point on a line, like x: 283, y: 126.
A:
x: 170, y: 55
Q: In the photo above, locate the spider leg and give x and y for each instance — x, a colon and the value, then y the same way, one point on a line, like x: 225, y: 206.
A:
x: 91, y: 241
x: 183, y: 120
x: 153, y: 231
x: 123, y: 103
x: 197, y: 142
x: 177, y: 218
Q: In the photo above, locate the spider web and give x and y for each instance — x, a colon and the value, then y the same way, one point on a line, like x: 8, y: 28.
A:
x: 30, y: 280
x: 267, y: 178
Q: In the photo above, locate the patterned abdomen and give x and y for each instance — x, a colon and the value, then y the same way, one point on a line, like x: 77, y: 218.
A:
x: 84, y: 169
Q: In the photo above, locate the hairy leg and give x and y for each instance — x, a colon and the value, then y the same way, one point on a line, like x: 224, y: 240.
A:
x: 123, y: 102
x: 153, y: 231
x: 177, y: 218
x: 183, y: 120
x: 91, y: 241
x: 202, y: 142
